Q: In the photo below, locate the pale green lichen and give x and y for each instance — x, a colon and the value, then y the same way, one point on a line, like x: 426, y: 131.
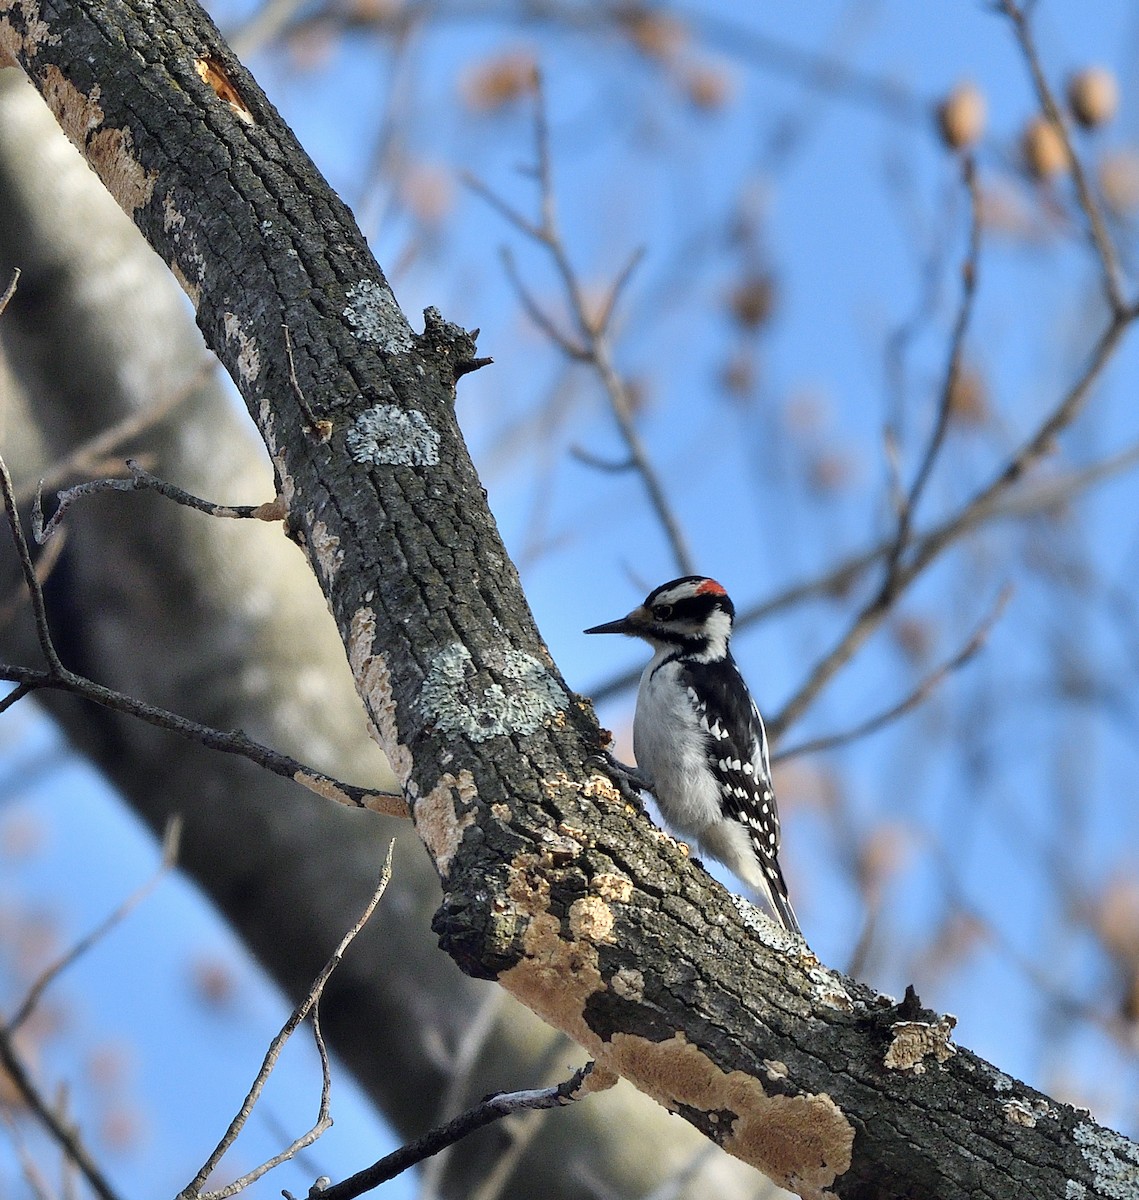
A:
x: 375, y: 317
x: 453, y: 701
x: 385, y: 435
x: 1112, y: 1158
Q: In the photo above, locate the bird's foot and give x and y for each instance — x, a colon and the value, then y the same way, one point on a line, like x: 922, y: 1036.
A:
x: 630, y: 781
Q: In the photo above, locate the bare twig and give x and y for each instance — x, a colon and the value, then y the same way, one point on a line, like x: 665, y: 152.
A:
x: 605, y: 317
x: 10, y: 290
x: 592, y: 344
x: 28, y: 1165
x: 170, y: 842
x: 143, y: 481
x: 45, y: 563
x: 60, y: 1130
x: 310, y: 1004
x: 58, y: 678
x: 949, y: 385
x: 228, y: 742
x: 39, y: 610
x: 494, y: 1108
x: 602, y: 464
x: 571, y: 349
x: 55, y: 1121
x: 462, y: 1065
x: 871, y: 616
x: 916, y: 697
x: 321, y: 427
x: 841, y: 578
x: 1021, y: 17
x: 90, y: 458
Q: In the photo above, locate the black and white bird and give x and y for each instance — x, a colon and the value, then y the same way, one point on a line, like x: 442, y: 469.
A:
x: 699, y: 739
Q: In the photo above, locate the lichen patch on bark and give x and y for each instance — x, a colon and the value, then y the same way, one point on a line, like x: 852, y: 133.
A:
x: 376, y: 318
x: 803, y: 1143
x: 248, y: 356
x: 455, y: 700
x: 374, y: 683
x: 387, y: 435
x: 1112, y: 1159
x: 443, y: 814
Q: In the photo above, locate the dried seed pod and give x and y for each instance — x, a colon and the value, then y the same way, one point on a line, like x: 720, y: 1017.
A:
x: 1093, y: 95
x: 1045, y: 154
x: 961, y: 116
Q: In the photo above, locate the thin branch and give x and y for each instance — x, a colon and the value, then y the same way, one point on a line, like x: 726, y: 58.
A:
x: 193, y: 1191
x: 61, y: 1132
x: 593, y: 329
x: 28, y: 1165
x: 228, y: 742
x: 56, y: 1122
x: 462, y: 1066
x: 871, y: 616
x: 602, y: 464
x: 58, y: 678
x: 969, y: 269
x: 90, y: 457
x: 838, y: 580
x: 321, y: 427
x: 1021, y: 18
x: 609, y: 307
x: 538, y: 315
x: 45, y: 563
x: 39, y: 609
x: 170, y: 843
x: 916, y: 698
x: 10, y: 290
x: 143, y: 481
x: 494, y: 1108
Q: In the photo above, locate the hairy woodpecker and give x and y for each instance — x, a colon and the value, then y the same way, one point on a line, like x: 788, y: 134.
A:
x: 699, y: 739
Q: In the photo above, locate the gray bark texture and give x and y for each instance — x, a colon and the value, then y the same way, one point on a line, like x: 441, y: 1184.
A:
x: 224, y: 622
x: 552, y: 884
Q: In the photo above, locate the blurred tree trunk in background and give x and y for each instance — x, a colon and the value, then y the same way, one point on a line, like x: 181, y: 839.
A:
x: 223, y: 622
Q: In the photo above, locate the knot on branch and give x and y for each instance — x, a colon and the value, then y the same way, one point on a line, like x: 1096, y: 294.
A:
x: 451, y: 342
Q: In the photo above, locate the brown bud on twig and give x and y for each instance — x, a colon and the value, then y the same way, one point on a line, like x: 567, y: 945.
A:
x: 1093, y: 96
x: 1042, y: 145
x: 961, y: 116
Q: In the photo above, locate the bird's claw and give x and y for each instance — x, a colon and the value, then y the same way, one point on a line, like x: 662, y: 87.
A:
x: 630, y: 781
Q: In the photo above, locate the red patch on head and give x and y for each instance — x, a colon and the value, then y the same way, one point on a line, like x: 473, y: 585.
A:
x: 711, y: 588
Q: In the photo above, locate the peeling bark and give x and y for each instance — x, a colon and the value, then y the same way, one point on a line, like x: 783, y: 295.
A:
x: 552, y: 885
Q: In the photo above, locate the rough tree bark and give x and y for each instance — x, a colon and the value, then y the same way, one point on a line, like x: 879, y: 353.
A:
x: 224, y: 623
x: 552, y: 885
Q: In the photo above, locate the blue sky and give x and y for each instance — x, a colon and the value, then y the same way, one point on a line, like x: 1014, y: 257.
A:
x: 971, y: 788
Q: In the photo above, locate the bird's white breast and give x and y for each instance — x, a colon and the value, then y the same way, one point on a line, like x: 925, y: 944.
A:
x: 670, y: 747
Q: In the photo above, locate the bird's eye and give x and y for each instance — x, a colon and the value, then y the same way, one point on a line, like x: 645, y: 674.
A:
x: 662, y: 612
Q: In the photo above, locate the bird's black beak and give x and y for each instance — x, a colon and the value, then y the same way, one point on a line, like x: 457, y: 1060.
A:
x: 631, y: 624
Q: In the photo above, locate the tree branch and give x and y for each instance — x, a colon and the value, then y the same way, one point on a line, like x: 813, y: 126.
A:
x: 917, y: 697
x: 1020, y: 15
x: 552, y: 885
x: 310, y: 1004
x: 593, y: 344
x: 492, y: 1109
x: 57, y: 677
